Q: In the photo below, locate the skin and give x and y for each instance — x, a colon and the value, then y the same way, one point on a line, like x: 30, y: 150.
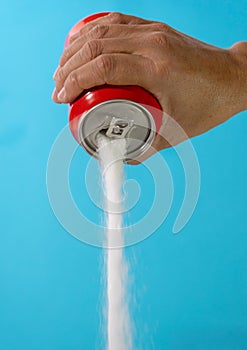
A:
x: 199, y: 85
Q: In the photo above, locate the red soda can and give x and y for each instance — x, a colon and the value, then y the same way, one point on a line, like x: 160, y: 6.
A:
x: 117, y: 111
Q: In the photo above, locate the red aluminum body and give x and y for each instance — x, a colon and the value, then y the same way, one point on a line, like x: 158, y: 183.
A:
x: 94, y: 96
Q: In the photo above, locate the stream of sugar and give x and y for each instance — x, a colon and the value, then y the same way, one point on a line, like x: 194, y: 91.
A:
x: 111, y: 155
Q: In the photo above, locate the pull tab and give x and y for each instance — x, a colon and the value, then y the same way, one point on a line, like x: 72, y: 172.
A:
x: 119, y: 128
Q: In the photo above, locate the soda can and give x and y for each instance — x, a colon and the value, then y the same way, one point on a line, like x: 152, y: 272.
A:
x: 127, y: 111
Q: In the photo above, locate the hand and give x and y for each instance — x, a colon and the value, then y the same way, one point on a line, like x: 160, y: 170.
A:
x: 197, y: 84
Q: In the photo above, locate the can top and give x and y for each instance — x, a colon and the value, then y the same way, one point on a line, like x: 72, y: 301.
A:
x: 118, y: 119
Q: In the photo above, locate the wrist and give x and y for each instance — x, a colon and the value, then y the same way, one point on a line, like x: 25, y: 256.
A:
x: 238, y: 55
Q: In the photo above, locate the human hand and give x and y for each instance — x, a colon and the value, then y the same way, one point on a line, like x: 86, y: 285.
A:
x: 197, y: 84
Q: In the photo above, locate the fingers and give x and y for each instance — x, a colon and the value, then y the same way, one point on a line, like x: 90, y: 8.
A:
x: 112, y: 69
x: 112, y: 18
x: 101, y: 31
x: 91, y: 50
x: 85, y: 47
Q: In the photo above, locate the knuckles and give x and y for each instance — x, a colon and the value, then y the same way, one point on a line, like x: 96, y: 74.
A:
x: 159, y: 39
x: 116, y: 17
x: 161, y: 27
x: 65, y: 56
x: 91, y: 49
x: 105, y: 67
x: 99, y: 31
x: 73, y: 82
x: 60, y: 75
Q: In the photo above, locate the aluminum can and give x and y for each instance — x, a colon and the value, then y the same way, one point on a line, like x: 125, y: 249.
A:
x: 117, y: 111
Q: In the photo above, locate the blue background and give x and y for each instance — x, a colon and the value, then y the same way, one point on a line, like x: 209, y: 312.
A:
x: 190, y: 288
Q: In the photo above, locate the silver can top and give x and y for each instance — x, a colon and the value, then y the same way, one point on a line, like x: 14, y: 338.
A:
x: 118, y: 119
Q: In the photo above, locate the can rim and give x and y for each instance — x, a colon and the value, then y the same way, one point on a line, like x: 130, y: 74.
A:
x: 131, y: 155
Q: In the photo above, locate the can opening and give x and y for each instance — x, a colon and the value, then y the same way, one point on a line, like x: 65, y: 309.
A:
x: 118, y: 119
x: 119, y: 128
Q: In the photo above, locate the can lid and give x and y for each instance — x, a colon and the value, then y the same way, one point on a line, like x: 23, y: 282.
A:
x: 97, y: 95
x: 117, y: 119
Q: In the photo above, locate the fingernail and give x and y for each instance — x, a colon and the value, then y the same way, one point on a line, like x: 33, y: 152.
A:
x: 62, y: 94
x: 55, y: 73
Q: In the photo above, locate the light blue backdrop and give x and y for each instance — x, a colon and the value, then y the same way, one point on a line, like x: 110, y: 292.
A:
x: 191, y: 288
